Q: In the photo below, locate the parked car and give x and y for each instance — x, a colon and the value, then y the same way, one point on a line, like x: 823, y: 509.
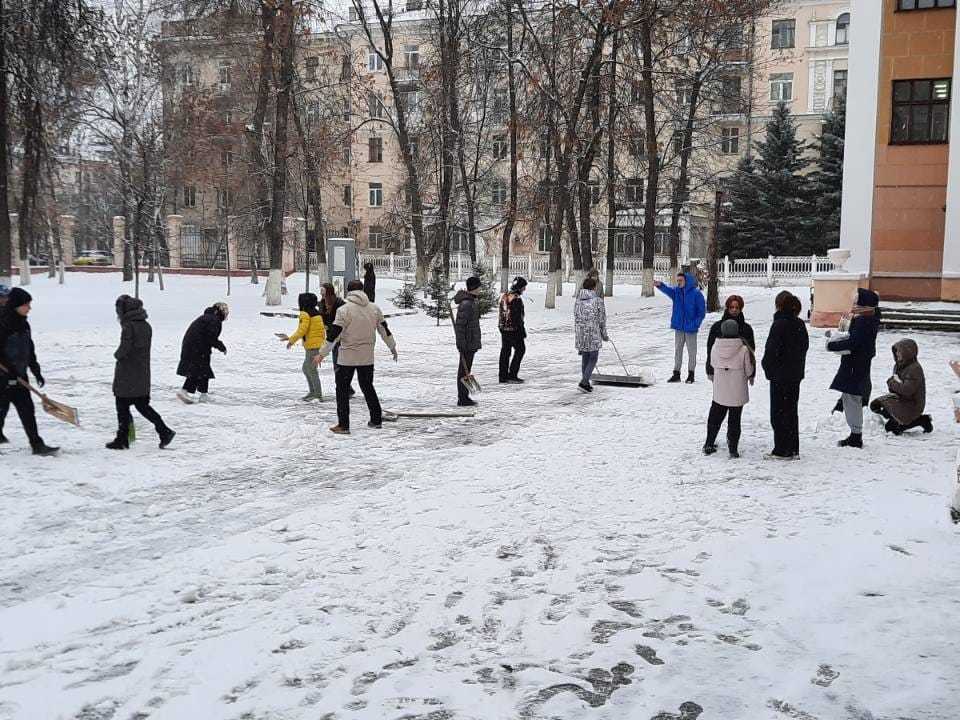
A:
x: 37, y: 259
x: 93, y: 257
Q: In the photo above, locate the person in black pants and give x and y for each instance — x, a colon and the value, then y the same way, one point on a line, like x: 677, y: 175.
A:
x: 467, y: 328
x: 131, y: 377
x: 17, y: 355
x: 784, y: 361
x: 512, y: 332
x: 201, y: 338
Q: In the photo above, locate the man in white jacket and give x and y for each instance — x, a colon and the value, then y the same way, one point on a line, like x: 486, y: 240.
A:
x: 355, y: 329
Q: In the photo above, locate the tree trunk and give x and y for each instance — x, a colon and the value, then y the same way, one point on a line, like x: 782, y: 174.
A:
x: 653, y: 153
x: 314, y: 196
x: 612, y: 107
x: 507, y: 236
x: 683, y: 179
x: 278, y: 198
x: 6, y: 244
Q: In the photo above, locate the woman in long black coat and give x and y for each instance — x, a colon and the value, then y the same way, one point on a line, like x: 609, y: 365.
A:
x: 201, y: 338
x: 857, y: 350
x: 784, y: 363
x: 131, y: 376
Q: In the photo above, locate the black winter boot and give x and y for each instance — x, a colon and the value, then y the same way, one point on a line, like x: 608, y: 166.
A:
x: 689, y: 379
x: 853, y: 440
x: 709, y: 449
x: 926, y: 423
x: 166, y: 436
x: 675, y: 377
x: 120, y: 442
x: 41, y: 448
x: 734, y: 452
x: 892, y: 426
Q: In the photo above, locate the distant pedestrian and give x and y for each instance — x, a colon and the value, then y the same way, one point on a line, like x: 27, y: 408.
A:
x: 311, y: 330
x: 355, y: 329
x: 735, y: 367
x: 590, y: 330
x: 903, y: 406
x: 689, y: 310
x: 512, y: 331
x: 17, y: 355
x: 732, y: 310
x: 784, y: 363
x: 131, y: 376
x: 595, y: 274
x: 857, y: 348
x: 201, y: 338
x: 467, y: 328
x: 370, y: 282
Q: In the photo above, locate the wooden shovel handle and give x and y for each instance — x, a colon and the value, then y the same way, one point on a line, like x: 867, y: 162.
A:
x: 23, y: 382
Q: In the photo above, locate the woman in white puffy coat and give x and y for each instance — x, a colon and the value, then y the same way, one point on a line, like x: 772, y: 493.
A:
x: 590, y: 330
x: 734, y: 368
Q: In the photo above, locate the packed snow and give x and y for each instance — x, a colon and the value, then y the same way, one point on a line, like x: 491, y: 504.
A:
x: 559, y: 555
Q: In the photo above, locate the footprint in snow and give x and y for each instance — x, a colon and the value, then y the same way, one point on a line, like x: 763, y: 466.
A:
x: 648, y: 654
x: 688, y: 711
x: 825, y: 676
x: 453, y: 598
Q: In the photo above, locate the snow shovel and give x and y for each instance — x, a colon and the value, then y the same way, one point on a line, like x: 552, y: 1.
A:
x: 625, y: 380
x: 468, y: 380
x: 52, y: 407
x: 394, y: 416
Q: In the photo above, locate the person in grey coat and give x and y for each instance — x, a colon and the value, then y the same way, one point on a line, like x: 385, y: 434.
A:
x: 131, y: 376
x: 590, y: 330
x: 467, y: 328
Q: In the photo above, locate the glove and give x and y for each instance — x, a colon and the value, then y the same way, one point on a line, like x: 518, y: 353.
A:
x: 394, y: 353
x: 223, y: 349
x: 710, y: 377
x: 40, y: 381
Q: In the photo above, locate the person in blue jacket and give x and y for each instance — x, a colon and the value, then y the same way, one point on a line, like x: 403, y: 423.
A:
x: 689, y: 310
x: 857, y: 349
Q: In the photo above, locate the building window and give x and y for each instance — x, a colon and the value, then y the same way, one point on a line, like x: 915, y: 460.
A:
x: 500, y: 103
x: 375, y: 150
x: 546, y: 149
x: 226, y: 199
x: 925, y: 4
x: 684, y: 94
x: 628, y: 243
x: 346, y: 67
x: 413, y: 142
x: 843, y: 30
x: 352, y: 15
x: 228, y: 117
x: 636, y: 92
x: 313, y: 113
x: 459, y: 241
x: 223, y: 75
x: 375, y: 238
x: 921, y: 111
x: 376, y: 194
x: 544, y: 239
x: 410, y: 100
x: 783, y: 34
x: 375, y: 109
x: 498, y: 192
x: 189, y: 196
x: 348, y: 195
x: 731, y: 98
x: 594, y: 187
x: 411, y: 57
x: 186, y: 74
x: 840, y: 85
x: 501, y: 149
x: 345, y: 153
x: 781, y: 87
x: 226, y: 155
x: 311, y: 70
x: 677, y: 142
x: 636, y: 145
x: 730, y: 140
x: 414, y: 5
x: 634, y: 194
x: 374, y: 62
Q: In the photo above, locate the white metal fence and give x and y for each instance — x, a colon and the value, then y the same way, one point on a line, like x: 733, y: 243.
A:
x: 767, y: 272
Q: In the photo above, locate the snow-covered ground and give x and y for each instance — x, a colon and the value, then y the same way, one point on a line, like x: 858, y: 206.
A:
x: 556, y: 556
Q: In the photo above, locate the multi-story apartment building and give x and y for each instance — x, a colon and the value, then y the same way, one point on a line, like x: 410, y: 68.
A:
x: 797, y: 56
x: 901, y: 211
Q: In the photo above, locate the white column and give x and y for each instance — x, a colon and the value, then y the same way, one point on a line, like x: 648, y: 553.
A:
x: 856, y: 218
x: 951, y: 241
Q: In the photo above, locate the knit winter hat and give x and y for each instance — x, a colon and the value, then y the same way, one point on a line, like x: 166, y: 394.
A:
x: 867, y: 298
x: 519, y: 283
x: 4, y: 290
x: 729, y: 329
x: 473, y: 282
x: 18, y: 297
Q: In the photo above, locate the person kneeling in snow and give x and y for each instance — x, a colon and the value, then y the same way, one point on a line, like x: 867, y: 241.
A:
x: 734, y: 368
x: 903, y: 406
x: 198, y: 342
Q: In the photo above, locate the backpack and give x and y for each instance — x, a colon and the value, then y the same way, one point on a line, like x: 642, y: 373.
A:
x: 505, y: 320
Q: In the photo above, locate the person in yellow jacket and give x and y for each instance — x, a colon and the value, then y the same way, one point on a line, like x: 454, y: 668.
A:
x: 313, y: 333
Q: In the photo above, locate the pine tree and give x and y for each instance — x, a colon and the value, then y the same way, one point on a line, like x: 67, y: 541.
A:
x: 771, y: 213
x: 487, y: 299
x: 405, y: 297
x: 438, y: 290
x: 740, y: 234
x: 825, y: 183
